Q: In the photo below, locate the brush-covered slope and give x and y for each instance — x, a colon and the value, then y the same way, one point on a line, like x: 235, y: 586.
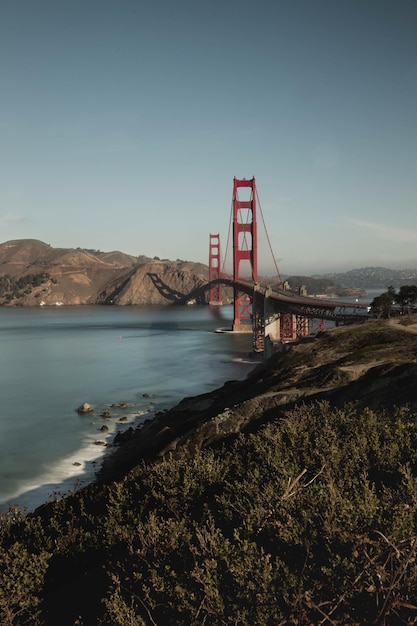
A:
x: 372, y: 364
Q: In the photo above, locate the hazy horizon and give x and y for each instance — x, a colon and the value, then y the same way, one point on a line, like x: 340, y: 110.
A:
x: 263, y: 271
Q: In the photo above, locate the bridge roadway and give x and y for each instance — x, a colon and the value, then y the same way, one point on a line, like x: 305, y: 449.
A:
x: 285, y: 301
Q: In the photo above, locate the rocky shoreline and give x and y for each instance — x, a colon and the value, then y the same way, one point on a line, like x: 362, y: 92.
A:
x: 174, y: 428
x: 331, y: 366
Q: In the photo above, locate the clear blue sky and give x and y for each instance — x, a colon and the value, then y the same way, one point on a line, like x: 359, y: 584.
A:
x: 123, y: 123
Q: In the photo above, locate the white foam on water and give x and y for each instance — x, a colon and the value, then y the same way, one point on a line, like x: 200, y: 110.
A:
x: 77, y: 470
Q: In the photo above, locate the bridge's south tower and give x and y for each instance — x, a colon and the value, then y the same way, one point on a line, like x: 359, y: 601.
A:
x: 245, y: 244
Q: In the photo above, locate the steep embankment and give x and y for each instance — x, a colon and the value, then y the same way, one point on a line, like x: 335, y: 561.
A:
x: 373, y: 364
x: 156, y: 282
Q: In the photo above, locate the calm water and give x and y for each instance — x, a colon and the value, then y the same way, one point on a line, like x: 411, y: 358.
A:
x: 54, y: 359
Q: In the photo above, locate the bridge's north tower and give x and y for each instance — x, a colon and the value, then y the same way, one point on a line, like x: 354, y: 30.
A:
x: 245, y: 250
x: 215, y: 270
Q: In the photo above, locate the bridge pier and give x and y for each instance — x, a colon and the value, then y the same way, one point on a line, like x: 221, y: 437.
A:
x: 242, y: 319
x: 266, y: 322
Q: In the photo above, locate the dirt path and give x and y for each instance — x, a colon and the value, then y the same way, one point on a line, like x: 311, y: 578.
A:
x: 402, y: 324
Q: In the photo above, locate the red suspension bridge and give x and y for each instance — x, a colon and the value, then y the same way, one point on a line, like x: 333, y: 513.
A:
x: 272, y: 314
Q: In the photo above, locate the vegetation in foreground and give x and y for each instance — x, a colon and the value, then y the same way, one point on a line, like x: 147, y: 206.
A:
x: 310, y: 520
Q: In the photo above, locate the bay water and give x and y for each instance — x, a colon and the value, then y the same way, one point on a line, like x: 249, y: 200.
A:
x: 52, y: 359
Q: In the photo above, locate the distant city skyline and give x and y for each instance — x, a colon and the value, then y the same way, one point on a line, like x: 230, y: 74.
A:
x: 122, y: 125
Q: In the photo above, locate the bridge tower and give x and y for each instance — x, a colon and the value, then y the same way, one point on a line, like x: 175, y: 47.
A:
x: 214, y: 269
x: 245, y: 251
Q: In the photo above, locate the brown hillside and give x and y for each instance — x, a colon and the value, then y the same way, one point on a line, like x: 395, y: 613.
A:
x: 157, y: 282
x: 30, y: 255
x: 19, y: 253
x: 76, y: 276
x: 119, y: 259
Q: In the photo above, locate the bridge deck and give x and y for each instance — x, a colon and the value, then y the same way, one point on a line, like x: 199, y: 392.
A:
x: 308, y: 306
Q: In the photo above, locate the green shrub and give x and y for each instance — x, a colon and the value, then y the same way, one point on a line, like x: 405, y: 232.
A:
x: 310, y: 520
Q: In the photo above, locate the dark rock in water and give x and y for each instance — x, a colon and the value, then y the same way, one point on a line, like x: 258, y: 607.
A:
x: 121, y: 405
x: 100, y: 443
x: 123, y: 419
x: 105, y: 414
x: 104, y: 429
x: 86, y: 407
x: 146, y: 395
x: 77, y: 463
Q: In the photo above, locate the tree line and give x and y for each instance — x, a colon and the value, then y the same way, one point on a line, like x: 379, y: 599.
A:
x: 13, y: 287
x: 404, y: 300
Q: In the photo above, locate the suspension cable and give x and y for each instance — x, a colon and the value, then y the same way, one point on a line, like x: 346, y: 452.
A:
x: 228, y: 239
x: 269, y: 243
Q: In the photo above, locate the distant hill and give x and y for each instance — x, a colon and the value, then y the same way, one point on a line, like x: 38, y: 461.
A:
x: 34, y: 273
x: 120, y: 258
x: 323, y: 286
x: 372, y: 277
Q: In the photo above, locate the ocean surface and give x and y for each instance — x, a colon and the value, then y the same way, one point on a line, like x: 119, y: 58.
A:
x: 52, y: 359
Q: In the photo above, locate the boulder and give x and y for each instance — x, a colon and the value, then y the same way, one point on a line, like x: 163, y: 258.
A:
x: 86, y: 407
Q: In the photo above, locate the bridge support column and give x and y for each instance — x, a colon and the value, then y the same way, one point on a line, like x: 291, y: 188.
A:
x: 266, y: 322
x: 293, y: 327
x: 258, y: 326
x: 301, y: 325
x: 287, y: 327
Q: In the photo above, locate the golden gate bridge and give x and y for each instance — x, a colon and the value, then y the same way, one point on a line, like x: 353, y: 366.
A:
x: 272, y: 313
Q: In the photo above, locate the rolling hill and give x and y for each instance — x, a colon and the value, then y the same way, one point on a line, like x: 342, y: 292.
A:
x: 34, y: 273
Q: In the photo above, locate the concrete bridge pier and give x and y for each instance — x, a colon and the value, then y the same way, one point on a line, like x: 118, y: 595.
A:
x: 272, y: 318
x: 266, y: 322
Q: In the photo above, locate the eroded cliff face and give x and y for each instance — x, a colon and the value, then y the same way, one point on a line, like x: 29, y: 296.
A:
x: 158, y: 282
x: 33, y: 273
